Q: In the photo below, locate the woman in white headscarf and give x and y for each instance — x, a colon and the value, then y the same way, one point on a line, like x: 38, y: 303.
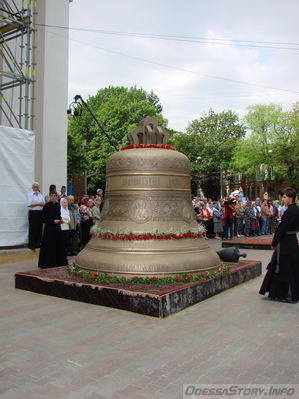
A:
x: 66, y: 219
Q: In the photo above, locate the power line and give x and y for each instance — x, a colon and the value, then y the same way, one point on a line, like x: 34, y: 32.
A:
x: 180, y: 69
x: 222, y: 95
x: 171, y: 66
x: 190, y: 39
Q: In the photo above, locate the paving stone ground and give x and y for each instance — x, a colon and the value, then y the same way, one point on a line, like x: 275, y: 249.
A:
x: 56, y: 348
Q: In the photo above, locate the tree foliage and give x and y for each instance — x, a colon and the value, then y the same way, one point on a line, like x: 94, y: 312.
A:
x: 271, y: 150
x: 209, y: 143
x: 118, y: 110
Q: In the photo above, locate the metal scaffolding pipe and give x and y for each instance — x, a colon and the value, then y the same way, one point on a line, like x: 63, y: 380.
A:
x: 16, y: 25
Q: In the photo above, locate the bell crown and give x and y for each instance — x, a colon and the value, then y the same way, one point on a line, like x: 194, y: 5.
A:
x: 148, y: 132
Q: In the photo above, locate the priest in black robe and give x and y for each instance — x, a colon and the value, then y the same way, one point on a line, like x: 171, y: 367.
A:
x: 282, y: 277
x: 52, y: 251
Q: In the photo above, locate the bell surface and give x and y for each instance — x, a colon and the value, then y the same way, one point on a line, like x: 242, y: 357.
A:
x: 148, y: 226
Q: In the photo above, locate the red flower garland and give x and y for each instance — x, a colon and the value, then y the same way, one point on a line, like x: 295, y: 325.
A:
x: 163, y: 146
x: 147, y: 236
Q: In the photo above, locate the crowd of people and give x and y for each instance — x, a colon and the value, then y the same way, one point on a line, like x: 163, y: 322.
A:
x: 233, y: 216
x: 237, y: 216
x: 67, y: 221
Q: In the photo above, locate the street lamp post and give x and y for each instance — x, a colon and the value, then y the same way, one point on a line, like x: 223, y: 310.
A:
x: 78, y: 112
x: 198, y: 188
x: 75, y: 109
x: 221, y: 182
x: 85, y: 149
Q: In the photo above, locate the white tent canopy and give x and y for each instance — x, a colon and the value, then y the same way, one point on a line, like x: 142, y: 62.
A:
x: 17, y: 155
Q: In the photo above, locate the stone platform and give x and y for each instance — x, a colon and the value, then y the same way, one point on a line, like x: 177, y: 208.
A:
x: 148, y: 299
x: 250, y: 243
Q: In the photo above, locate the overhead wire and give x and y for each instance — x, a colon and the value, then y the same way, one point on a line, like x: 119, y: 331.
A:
x: 191, y: 39
x: 161, y: 64
x: 178, y: 68
x: 285, y: 91
x: 223, y: 95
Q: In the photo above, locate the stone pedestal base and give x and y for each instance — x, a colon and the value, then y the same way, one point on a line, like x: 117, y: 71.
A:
x: 151, y: 300
x: 249, y: 243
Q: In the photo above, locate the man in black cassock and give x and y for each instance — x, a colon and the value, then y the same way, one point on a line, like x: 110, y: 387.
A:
x: 282, y: 277
x: 52, y: 251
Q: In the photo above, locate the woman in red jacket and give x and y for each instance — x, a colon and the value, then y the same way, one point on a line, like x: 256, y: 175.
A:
x: 207, y: 221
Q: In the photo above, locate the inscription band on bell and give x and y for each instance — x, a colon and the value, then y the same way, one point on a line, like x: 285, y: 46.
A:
x: 111, y: 190
x: 148, y: 174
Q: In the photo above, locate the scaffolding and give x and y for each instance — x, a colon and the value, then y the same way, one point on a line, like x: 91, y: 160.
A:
x: 16, y: 64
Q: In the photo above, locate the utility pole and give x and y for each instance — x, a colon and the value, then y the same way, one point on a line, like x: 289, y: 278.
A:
x: 221, y: 183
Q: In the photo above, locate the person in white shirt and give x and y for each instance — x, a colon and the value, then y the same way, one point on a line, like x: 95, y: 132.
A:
x: 35, y: 203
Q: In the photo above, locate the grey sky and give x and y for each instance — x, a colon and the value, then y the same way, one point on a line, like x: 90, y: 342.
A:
x: 188, y: 76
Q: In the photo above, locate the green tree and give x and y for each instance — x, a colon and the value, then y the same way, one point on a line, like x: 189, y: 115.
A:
x: 209, y: 143
x: 118, y: 110
x: 271, y: 150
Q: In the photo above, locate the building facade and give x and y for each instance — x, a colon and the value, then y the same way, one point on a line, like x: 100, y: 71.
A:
x: 34, y: 80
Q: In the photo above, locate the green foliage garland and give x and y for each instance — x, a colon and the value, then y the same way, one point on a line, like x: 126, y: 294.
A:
x: 75, y: 271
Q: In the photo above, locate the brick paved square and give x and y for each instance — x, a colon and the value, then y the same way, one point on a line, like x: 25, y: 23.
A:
x: 56, y: 348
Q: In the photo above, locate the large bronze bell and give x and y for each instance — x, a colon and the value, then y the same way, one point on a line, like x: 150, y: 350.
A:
x: 147, y: 225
